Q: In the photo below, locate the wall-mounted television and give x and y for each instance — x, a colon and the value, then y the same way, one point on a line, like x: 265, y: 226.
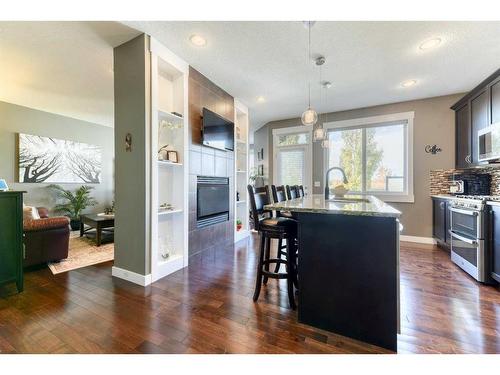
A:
x: 217, y: 132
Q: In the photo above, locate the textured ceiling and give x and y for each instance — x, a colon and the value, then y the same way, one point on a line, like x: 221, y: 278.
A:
x: 65, y: 67
x: 61, y: 67
x: 366, y: 61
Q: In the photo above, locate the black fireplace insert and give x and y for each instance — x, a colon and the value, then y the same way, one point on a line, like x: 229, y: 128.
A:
x: 212, y: 194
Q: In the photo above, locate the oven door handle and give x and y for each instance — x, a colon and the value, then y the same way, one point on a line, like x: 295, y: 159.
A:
x: 465, y: 212
x: 462, y: 238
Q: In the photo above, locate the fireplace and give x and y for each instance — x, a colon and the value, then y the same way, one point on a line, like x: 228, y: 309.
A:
x: 212, y: 200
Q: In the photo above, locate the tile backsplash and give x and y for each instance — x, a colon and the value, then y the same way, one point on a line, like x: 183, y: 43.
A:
x: 440, y: 179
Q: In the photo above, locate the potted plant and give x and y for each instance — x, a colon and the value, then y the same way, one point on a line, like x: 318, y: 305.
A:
x: 239, y: 225
x: 74, y: 203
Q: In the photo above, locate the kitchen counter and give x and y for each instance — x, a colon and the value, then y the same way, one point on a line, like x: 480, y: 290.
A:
x: 361, y: 205
x: 348, y: 266
x: 444, y: 196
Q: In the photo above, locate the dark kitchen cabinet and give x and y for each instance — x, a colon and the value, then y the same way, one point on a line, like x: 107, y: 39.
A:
x: 475, y: 111
x: 494, y: 91
x: 448, y: 223
x: 479, y: 120
x: 495, y: 242
x: 439, y: 225
x: 463, y: 137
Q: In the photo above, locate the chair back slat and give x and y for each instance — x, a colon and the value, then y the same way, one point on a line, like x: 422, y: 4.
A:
x: 259, y: 197
x: 279, y: 193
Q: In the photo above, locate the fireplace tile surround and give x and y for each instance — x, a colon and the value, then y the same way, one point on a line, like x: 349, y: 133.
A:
x: 206, y: 161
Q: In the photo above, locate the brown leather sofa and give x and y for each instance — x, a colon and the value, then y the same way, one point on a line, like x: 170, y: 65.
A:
x: 45, y: 239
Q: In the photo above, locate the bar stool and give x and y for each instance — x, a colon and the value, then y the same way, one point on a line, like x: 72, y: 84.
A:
x: 279, y: 228
x: 292, y: 192
x: 301, y: 191
x: 279, y: 195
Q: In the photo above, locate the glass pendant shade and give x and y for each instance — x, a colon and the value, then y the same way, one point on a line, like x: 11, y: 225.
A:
x: 319, y: 134
x: 309, y: 117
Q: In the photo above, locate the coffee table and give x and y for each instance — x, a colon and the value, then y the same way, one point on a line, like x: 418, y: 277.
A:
x: 99, y: 223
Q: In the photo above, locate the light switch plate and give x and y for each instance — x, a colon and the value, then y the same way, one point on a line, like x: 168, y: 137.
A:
x: 317, y: 184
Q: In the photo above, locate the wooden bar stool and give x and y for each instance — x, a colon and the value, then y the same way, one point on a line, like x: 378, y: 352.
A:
x: 279, y: 195
x: 269, y: 228
x: 292, y: 192
x: 301, y: 190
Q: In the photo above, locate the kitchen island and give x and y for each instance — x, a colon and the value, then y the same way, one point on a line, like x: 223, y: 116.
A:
x: 348, y: 266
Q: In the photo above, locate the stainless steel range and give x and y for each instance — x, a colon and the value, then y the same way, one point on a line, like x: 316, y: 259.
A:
x: 469, y: 235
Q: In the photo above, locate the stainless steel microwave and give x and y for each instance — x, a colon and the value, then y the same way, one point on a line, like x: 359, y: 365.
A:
x: 489, y: 143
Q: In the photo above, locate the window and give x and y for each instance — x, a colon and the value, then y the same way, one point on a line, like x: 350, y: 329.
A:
x: 293, y: 139
x: 292, y: 156
x: 291, y: 166
x: 376, y: 155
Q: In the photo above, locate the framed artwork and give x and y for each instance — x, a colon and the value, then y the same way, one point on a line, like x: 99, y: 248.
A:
x: 51, y: 160
x: 172, y: 156
x: 260, y: 170
x: 260, y: 154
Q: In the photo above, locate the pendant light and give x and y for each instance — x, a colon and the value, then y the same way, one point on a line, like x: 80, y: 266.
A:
x: 309, y: 117
x: 325, y: 143
x: 319, y: 133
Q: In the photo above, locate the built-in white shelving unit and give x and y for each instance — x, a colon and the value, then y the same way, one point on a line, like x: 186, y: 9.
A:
x: 169, y: 180
x: 241, y: 170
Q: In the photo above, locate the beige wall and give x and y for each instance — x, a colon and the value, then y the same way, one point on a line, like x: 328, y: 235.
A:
x: 18, y: 119
x: 132, y: 95
x: 433, y: 124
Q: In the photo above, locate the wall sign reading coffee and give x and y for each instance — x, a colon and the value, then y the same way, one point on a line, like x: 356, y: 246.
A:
x: 45, y: 159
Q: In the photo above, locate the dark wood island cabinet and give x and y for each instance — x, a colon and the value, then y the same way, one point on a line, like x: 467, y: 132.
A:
x: 348, y: 266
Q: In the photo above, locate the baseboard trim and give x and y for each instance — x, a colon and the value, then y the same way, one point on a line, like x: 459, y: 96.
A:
x: 136, y: 278
x: 416, y: 239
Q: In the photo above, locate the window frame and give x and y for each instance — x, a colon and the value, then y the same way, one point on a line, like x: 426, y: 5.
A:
x: 377, y: 121
x: 308, y: 155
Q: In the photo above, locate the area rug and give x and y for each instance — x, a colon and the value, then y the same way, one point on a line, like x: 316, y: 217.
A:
x: 82, y: 253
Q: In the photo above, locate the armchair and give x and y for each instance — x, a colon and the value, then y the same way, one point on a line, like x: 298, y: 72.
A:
x: 45, y: 239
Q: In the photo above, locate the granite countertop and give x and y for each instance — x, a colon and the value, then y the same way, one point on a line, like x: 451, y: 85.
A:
x: 370, y: 206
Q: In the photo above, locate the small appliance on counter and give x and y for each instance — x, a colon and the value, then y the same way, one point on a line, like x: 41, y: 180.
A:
x: 457, y: 187
x: 467, y: 183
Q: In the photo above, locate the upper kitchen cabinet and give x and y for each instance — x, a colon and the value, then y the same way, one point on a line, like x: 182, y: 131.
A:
x: 475, y: 111
x: 463, y: 137
x: 494, y: 91
x: 478, y: 120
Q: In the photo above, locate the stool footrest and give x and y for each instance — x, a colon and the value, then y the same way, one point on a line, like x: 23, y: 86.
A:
x: 271, y: 274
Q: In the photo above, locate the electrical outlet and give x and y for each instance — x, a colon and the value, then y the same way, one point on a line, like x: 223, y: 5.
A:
x: 317, y: 184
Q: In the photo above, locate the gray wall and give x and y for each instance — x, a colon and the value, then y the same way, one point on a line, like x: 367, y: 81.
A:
x: 131, y: 70
x: 18, y: 119
x: 433, y: 124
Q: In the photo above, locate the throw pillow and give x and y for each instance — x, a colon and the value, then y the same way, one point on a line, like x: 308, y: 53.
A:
x: 30, y: 213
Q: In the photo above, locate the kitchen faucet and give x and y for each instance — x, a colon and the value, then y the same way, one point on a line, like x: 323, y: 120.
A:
x: 327, y: 186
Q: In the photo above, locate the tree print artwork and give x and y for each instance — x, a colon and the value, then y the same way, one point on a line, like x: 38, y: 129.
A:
x: 51, y: 160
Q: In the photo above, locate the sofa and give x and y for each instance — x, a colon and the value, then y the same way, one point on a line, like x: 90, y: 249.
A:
x: 46, y: 239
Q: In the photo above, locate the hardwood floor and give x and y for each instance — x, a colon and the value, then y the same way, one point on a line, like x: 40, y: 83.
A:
x: 207, y: 308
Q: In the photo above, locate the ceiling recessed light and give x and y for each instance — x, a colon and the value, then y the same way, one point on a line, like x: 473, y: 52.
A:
x: 409, y: 83
x: 431, y: 43
x: 261, y: 99
x: 198, y: 40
